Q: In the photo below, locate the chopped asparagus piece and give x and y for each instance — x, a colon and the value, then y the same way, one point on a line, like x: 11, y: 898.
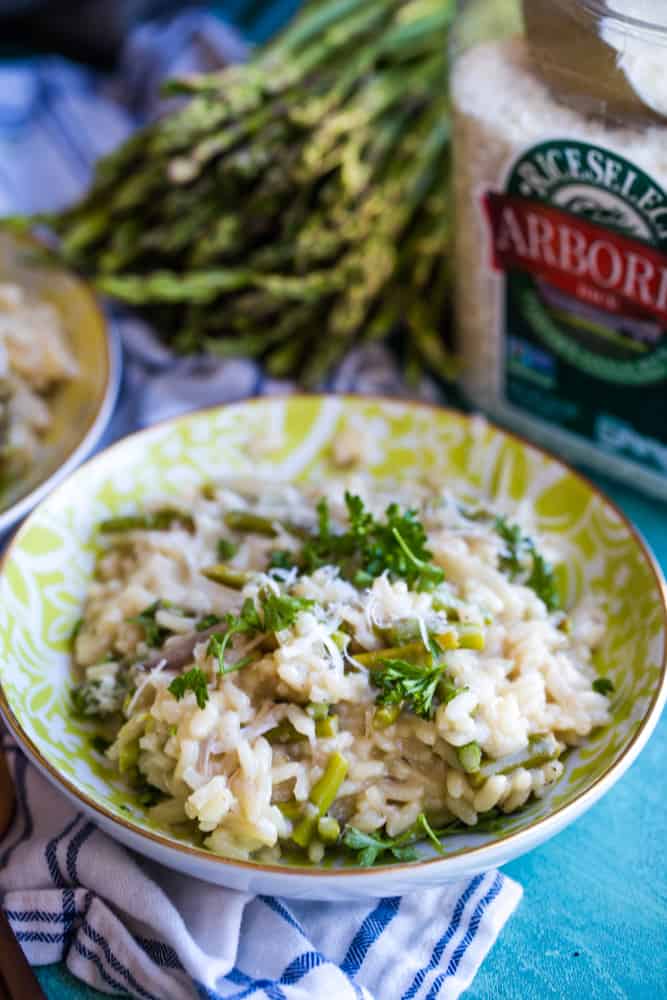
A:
x: 284, y: 732
x: 328, y: 829
x: 539, y: 751
x: 128, y: 756
x: 235, y: 579
x: 322, y: 796
x: 386, y: 715
x: 158, y: 520
x: 374, y: 659
x: 326, y: 728
x: 291, y: 810
x: 470, y: 757
x: 246, y: 521
x: 318, y: 710
x: 471, y: 637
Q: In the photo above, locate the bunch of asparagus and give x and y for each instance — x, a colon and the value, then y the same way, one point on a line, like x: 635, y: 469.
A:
x: 296, y: 204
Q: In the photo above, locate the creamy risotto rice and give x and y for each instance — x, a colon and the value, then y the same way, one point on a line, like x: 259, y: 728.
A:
x: 34, y: 359
x: 284, y: 667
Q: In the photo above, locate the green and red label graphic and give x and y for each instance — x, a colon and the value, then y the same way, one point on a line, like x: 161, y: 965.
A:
x: 580, y: 238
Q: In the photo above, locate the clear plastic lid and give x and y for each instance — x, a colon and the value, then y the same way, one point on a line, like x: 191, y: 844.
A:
x: 603, y: 57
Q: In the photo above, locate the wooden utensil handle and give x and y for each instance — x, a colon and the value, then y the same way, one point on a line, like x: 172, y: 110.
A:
x: 17, y: 980
x: 15, y: 973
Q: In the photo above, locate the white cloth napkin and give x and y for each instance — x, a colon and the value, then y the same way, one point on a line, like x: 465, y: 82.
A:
x: 121, y: 923
x: 126, y: 925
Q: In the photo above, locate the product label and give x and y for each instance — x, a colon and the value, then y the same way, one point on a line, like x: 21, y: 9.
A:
x: 580, y: 237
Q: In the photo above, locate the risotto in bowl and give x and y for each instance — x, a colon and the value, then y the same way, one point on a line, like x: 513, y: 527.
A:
x: 59, y: 375
x: 326, y: 647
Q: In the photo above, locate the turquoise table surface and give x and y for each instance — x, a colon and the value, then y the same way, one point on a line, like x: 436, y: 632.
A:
x: 592, y: 924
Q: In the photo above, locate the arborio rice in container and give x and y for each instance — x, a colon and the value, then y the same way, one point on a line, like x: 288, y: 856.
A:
x: 34, y: 359
x: 560, y: 140
x: 291, y: 669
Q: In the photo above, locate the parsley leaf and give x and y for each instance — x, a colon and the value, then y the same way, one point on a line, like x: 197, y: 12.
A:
x: 543, y: 581
x: 281, y: 559
x: 226, y: 549
x: 208, y: 622
x: 401, y: 681
x: 447, y: 691
x: 370, y: 547
x: 246, y: 623
x: 148, y: 795
x: 603, y: 685
x: 217, y: 647
x: 280, y: 611
x: 371, y: 846
x: 192, y: 680
x: 511, y: 560
x: 429, y: 832
x: 521, y: 556
x: 154, y: 634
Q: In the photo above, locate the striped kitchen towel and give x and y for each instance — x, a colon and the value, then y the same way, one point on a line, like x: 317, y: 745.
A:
x: 121, y: 923
x: 125, y: 925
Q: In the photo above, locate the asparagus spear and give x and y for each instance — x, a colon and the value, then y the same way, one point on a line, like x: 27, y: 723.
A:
x: 539, y: 751
x: 158, y: 520
x: 321, y: 798
x: 311, y: 183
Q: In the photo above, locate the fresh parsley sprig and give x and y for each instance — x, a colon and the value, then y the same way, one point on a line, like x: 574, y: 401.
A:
x: 520, y: 556
x: 406, y: 683
x: 154, y: 634
x: 192, y: 680
x: 542, y: 580
x: 278, y: 612
x: 369, y: 547
x: 246, y: 623
x: 370, y: 847
x: 415, y: 684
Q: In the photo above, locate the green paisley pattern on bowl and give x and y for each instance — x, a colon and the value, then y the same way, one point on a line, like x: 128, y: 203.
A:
x: 48, y: 568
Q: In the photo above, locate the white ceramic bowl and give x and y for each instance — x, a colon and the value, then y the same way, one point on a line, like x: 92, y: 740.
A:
x: 48, y: 567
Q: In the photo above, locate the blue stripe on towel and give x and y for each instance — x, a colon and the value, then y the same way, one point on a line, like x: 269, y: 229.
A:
x: 114, y: 962
x: 40, y: 937
x: 282, y: 911
x: 69, y: 911
x: 36, y: 916
x: 371, y: 929
x: 442, y: 943
x: 51, y: 853
x: 160, y: 953
x: 73, y: 848
x: 301, y: 966
x: 90, y: 956
x: 268, y: 986
x: 474, y: 925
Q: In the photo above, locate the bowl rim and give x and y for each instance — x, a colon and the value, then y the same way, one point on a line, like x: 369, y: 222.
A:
x: 113, y: 364
x: 518, y: 839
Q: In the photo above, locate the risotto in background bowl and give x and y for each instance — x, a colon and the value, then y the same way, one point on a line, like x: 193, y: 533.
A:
x: 330, y: 646
x: 59, y: 376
